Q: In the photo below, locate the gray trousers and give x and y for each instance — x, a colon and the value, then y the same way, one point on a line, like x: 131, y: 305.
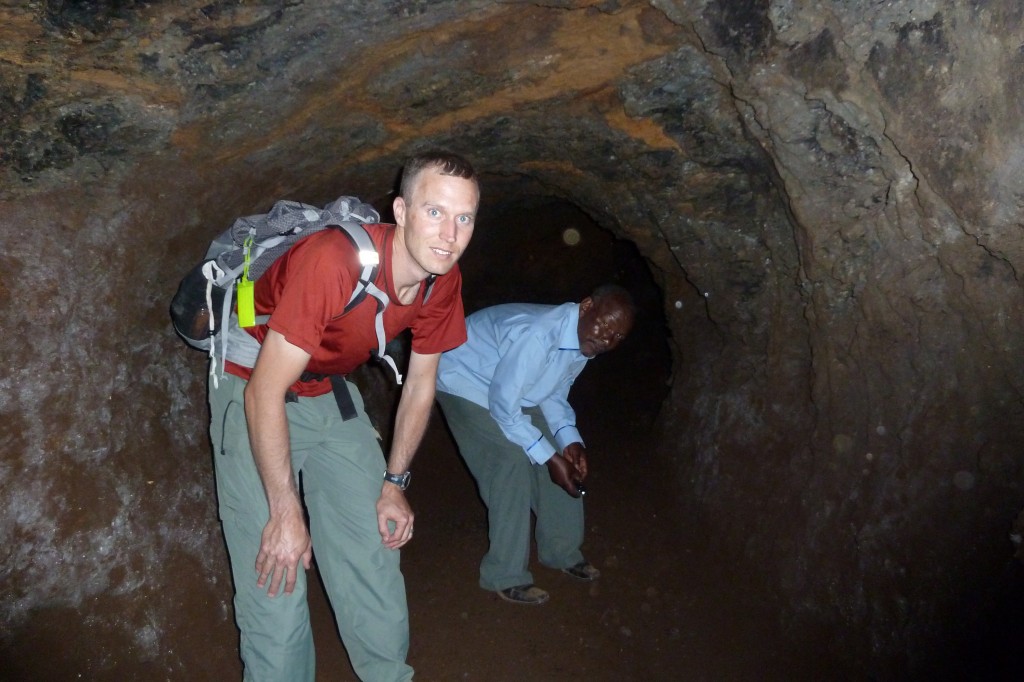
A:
x: 512, y: 486
x: 341, y: 468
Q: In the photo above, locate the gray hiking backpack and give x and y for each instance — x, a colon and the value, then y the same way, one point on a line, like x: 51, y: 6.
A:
x: 203, y: 310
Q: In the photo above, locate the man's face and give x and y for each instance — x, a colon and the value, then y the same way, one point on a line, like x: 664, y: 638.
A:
x: 602, y: 326
x: 437, y: 219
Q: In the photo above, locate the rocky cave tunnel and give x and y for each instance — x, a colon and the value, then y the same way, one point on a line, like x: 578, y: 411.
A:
x: 814, y: 463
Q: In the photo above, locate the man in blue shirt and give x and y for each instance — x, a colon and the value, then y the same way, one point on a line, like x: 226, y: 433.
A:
x: 505, y: 396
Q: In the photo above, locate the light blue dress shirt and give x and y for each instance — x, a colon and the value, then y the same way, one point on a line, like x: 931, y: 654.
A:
x: 520, y: 355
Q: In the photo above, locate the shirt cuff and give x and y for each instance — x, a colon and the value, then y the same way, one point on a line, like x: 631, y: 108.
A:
x: 566, y: 435
x: 541, y: 451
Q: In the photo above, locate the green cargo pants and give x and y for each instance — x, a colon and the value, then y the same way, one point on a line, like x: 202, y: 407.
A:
x: 511, y: 485
x: 340, y: 466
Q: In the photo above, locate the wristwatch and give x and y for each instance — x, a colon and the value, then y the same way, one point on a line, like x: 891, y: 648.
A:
x: 401, y: 480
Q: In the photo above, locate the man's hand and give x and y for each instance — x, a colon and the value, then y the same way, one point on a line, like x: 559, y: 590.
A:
x: 285, y: 540
x: 564, y: 474
x: 392, y: 506
x: 577, y: 454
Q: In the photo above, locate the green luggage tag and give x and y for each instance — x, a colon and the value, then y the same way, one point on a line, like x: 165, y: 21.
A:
x: 245, y: 293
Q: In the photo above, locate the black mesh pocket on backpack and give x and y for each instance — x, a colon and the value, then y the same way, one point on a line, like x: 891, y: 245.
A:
x: 189, y: 312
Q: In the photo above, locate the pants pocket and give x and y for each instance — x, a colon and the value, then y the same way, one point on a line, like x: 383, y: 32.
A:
x: 239, y: 489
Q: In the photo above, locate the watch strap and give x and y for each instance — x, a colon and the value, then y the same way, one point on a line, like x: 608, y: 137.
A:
x: 401, y: 480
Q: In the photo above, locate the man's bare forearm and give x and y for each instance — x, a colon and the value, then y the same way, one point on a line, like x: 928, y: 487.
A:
x: 268, y: 435
x: 277, y: 367
x: 410, y: 425
x: 413, y: 412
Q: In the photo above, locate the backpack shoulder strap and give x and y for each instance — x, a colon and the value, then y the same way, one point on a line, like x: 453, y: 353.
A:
x: 428, y: 286
x: 369, y: 261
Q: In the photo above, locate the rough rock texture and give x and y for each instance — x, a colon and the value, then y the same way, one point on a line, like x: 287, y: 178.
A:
x: 829, y: 195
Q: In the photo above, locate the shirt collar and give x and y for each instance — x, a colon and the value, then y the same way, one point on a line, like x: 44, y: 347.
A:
x: 570, y: 338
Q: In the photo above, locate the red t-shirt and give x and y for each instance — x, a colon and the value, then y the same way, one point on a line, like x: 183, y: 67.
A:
x: 305, y: 292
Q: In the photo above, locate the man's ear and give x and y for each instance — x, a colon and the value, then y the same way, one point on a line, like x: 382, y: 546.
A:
x: 586, y: 304
x: 399, y: 208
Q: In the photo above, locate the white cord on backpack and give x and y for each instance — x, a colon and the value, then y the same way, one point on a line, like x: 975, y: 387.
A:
x: 394, y: 368
x: 378, y: 324
x: 212, y: 271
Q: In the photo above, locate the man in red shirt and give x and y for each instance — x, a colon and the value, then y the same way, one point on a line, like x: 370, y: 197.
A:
x: 283, y: 449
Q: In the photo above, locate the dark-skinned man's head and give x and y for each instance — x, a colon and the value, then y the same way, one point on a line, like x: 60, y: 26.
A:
x: 606, y: 318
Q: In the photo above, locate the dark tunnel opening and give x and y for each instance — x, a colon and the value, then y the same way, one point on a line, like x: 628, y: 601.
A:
x: 535, y: 248
x: 544, y: 249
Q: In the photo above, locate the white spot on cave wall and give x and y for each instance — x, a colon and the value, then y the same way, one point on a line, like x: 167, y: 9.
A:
x: 963, y: 480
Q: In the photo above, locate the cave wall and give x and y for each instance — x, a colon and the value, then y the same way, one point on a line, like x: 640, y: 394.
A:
x: 886, y: 503
x: 829, y: 195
